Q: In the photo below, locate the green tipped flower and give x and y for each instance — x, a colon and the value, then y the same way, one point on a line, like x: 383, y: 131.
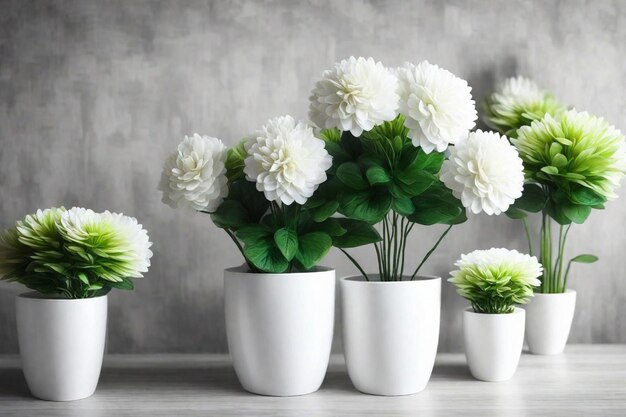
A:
x: 576, y: 154
x: 517, y: 103
x: 235, y: 158
x: 494, y: 280
x: 77, y: 253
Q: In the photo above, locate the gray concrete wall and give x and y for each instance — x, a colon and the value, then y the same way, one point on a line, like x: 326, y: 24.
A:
x: 94, y: 94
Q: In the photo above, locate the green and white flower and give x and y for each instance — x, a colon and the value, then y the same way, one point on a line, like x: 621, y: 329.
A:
x: 494, y: 280
x: 78, y: 253
x: 574, y: 152
x: 517, y: 102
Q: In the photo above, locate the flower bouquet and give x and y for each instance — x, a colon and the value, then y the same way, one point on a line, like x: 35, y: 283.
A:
x: 71, y: 259
x: 494, y: 281
x: 573, y: 163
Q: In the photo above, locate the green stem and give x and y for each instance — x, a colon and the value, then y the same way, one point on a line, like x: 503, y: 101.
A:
x: 546, y: 254
x: 430, y: 252
x: 563, y: 278
x: 527, y: 230
x: 355, y: 264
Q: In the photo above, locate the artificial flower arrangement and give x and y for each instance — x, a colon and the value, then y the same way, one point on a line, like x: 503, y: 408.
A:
x: 495, y: 282
x: 75, y: 253
x: 388, y: 132
x: 71, y: 259
x: 258, y: 193
x: 573, y: 163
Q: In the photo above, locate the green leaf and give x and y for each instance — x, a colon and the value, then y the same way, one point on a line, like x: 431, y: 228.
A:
x: 254, y: 233
x: 585, y: 259
x: 576, y: 212
x: 586, y: 197
x: 287, y: 242
x: 515, y: 213
x: 331, y: 227
x: 312, y: 248
x: 437, y: 205
x: 125, y: 284
x: 265, y: 256
x: 83, y: 277
x: 559, y: 160
x: 350, y: 174
x: 418, y: 186
x: 358, y: 233
x: 371, y: 205
x: 550, y: 170
x: 533, y: 199
x: 230, y: 215
x: 403, y: 206
x: 377, y: 175
x: 321, y: 213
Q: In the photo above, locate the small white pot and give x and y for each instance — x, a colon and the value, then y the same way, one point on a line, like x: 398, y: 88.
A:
x: 390, y: 333
x: 61, y: 344
x: 548, y: 322
x: 493, y: 343
x: 280, y: 329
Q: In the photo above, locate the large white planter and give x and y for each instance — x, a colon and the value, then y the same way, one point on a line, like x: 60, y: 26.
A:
x: 548, y: 322
x: 61, y: 344
x: 280, y: 329
x: 390, y: 333
x: 493, y: 343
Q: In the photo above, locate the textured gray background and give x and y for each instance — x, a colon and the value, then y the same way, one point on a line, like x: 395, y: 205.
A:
x: 93, y: 95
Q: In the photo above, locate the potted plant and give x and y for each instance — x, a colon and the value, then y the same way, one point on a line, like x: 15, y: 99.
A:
x: 388, y: 132
x: 279, y: 305
x: 494, y: 281
x: 573, y: 163
x: 71, y: 259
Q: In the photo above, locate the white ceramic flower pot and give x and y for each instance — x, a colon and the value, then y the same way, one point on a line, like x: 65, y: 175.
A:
x: 493, y: 343
x: 548, y: 322
x: 61, y: 344
x: 280, y: 329
x: 390, y: 333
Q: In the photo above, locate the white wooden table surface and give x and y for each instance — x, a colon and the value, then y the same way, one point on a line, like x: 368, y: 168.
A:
x: 584, y: 381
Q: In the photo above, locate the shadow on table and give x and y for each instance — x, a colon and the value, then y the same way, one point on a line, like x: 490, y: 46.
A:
x: 218, y: 379
x: 13, y: 384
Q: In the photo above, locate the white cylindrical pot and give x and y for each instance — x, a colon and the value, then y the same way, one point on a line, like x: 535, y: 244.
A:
x: 61, y: 344
x: 493, y: 343
x: 280, y: 329
x: 548, y: 322
x: 390, y: 333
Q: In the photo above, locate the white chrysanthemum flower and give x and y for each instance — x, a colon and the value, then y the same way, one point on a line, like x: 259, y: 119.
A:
x: 286, y: 161
x: 355, y: 96
x: 137, y: 243
x: 437, y: 105
x: 495, y: 280
x: 485, y: 172
x: 195, y: 175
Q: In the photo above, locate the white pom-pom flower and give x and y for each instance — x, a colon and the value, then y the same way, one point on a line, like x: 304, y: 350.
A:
x: 137, y: 243
x: 355, y: 96
x: 437, y: 106
x: 195, y: 175
x: 120, y: 242
x: 485, y: 172
x: 286, y: 161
